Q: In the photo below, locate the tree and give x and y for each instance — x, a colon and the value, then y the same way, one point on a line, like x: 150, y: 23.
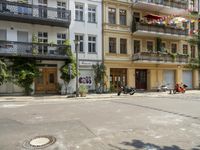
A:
x: 68, y: 70
x: 4, y: 74
x: 195, y: 40
x: 24, y: 72
x: 99, y: 75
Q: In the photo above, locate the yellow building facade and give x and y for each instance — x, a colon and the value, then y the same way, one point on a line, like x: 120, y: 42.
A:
x: 142, y: 52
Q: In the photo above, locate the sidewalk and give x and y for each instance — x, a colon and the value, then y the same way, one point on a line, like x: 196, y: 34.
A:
x: 88, y: 97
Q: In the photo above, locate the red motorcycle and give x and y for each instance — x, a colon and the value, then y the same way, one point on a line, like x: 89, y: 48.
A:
x: 180, y: 88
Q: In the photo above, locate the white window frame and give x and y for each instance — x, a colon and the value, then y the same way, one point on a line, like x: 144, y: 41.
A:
x: 61, y: 39
x: 92, y: 42
x: 81, y: 41
x: 62, y: 9
x: 91, y: 12
x: 78, y: 18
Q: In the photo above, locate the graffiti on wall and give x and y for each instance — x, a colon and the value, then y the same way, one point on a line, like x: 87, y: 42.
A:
x: 85, y: 80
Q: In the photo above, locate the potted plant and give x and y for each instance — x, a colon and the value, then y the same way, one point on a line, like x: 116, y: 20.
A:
x: 83, y: 90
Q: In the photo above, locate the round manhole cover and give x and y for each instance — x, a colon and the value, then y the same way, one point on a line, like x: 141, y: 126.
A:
x: 39, y: 142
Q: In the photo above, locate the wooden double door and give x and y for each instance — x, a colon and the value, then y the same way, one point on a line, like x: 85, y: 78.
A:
x: 141, y: 79
x: 47, y: 81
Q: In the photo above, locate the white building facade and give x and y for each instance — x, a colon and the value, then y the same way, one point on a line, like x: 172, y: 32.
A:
x: 46, y: 20
x: 86, y: 27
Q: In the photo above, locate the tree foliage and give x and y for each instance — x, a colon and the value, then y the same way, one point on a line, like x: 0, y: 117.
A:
x: 24, y: 72
x: 99, y: 73
x: 68, y: 73
x: 4, y: 74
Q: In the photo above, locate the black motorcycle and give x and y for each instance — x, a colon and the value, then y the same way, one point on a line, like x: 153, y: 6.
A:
x: 126, y: 90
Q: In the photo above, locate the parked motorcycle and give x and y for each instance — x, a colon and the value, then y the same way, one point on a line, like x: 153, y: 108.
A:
x: 180, y: 88
x: 126, y: 90
x: 163, y: 88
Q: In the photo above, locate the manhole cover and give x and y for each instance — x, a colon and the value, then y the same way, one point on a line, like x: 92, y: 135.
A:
x: 39, y: 142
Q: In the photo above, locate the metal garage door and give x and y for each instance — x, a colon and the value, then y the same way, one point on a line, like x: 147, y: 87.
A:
x: 169, y: 78
x: 187, y: 78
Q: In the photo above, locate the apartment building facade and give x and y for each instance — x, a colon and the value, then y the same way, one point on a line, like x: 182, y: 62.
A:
x: 145, y: 43
x: 86, y: 27
x: 35, y: 30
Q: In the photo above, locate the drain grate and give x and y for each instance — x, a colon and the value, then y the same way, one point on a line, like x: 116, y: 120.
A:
x: 39, y: 142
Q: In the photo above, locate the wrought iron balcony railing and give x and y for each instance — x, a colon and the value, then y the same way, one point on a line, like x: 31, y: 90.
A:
x: 32, y: 50
x: 183, y: 4
x: 159, y: 29
x: 160, y: 57
x: 36, y: 14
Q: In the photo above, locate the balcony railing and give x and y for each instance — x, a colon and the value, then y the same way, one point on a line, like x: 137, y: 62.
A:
x: 36, y: 14
x: 160, y: 57
x: 183, y: 4
x: 159, y: 29
x: 32, y: 50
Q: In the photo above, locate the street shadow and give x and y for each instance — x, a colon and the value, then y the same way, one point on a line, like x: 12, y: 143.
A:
x: 140, y: 145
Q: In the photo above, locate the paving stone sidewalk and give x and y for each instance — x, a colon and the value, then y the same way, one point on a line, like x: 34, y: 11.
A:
x: 92, y: 96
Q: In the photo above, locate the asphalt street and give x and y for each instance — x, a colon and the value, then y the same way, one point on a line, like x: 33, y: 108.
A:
x: 138, y: 122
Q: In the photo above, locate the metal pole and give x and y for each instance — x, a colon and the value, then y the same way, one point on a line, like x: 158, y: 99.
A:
x: 77, y: 68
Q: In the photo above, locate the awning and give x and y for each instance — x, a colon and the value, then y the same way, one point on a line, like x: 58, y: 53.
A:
x: 153, y: 17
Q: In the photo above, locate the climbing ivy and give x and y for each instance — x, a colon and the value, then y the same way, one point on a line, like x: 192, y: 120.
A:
x: 4, y: 73
x: 24, y: 72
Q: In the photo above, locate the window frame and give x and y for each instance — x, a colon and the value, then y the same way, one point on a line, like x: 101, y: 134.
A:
x: 123, y: 50
x: 114, y: 44
x: 172, y: 47
x: 93, y: 43
x: 113, y: 13
x: 121, y: 11
x: 81, y: 43
x: 80, y: 11
x: 140, y: 44
x: 91, y: 12
x: 148, y: 50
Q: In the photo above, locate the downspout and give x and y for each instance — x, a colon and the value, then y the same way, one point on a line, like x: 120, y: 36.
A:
x: 102, y: 31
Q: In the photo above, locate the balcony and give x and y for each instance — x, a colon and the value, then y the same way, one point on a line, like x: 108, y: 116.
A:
x: 38, y: 51
x: 160, y: 58
x: 155, y: 30
x: 34, y: 14
x: 162, y: 6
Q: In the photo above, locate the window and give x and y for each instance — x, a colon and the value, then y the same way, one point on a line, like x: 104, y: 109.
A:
x: 79, y: 12
x: 193, y: 51
x: 136, y: 16
x: 61, y: 10
x: 185, y: 24
x: 174, y: 48
x: 42, y: 8
x: 122, y: 17
x: 81, y: 45
x: 163, y: 46
x: 149, y: 45
x: 92, y: 14
x: 136, y: 46
x: 123, y: 46
x: 112, y: 45
x: 112, y: 15
x: 185, y: 49
x: 192, y: 26
x: 92, y: 44
x: 43, y: 38
x: 3, y: 35
x: 61, y: 38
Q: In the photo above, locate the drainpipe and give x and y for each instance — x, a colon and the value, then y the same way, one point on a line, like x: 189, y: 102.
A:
x: 102, y: 51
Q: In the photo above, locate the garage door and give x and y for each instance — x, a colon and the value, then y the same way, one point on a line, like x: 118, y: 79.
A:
x: 169, y: 78
x: 187, y: 78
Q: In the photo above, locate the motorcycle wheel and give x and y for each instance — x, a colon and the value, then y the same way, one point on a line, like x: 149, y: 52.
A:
x: 133, y: 92
x: 119, y: 93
